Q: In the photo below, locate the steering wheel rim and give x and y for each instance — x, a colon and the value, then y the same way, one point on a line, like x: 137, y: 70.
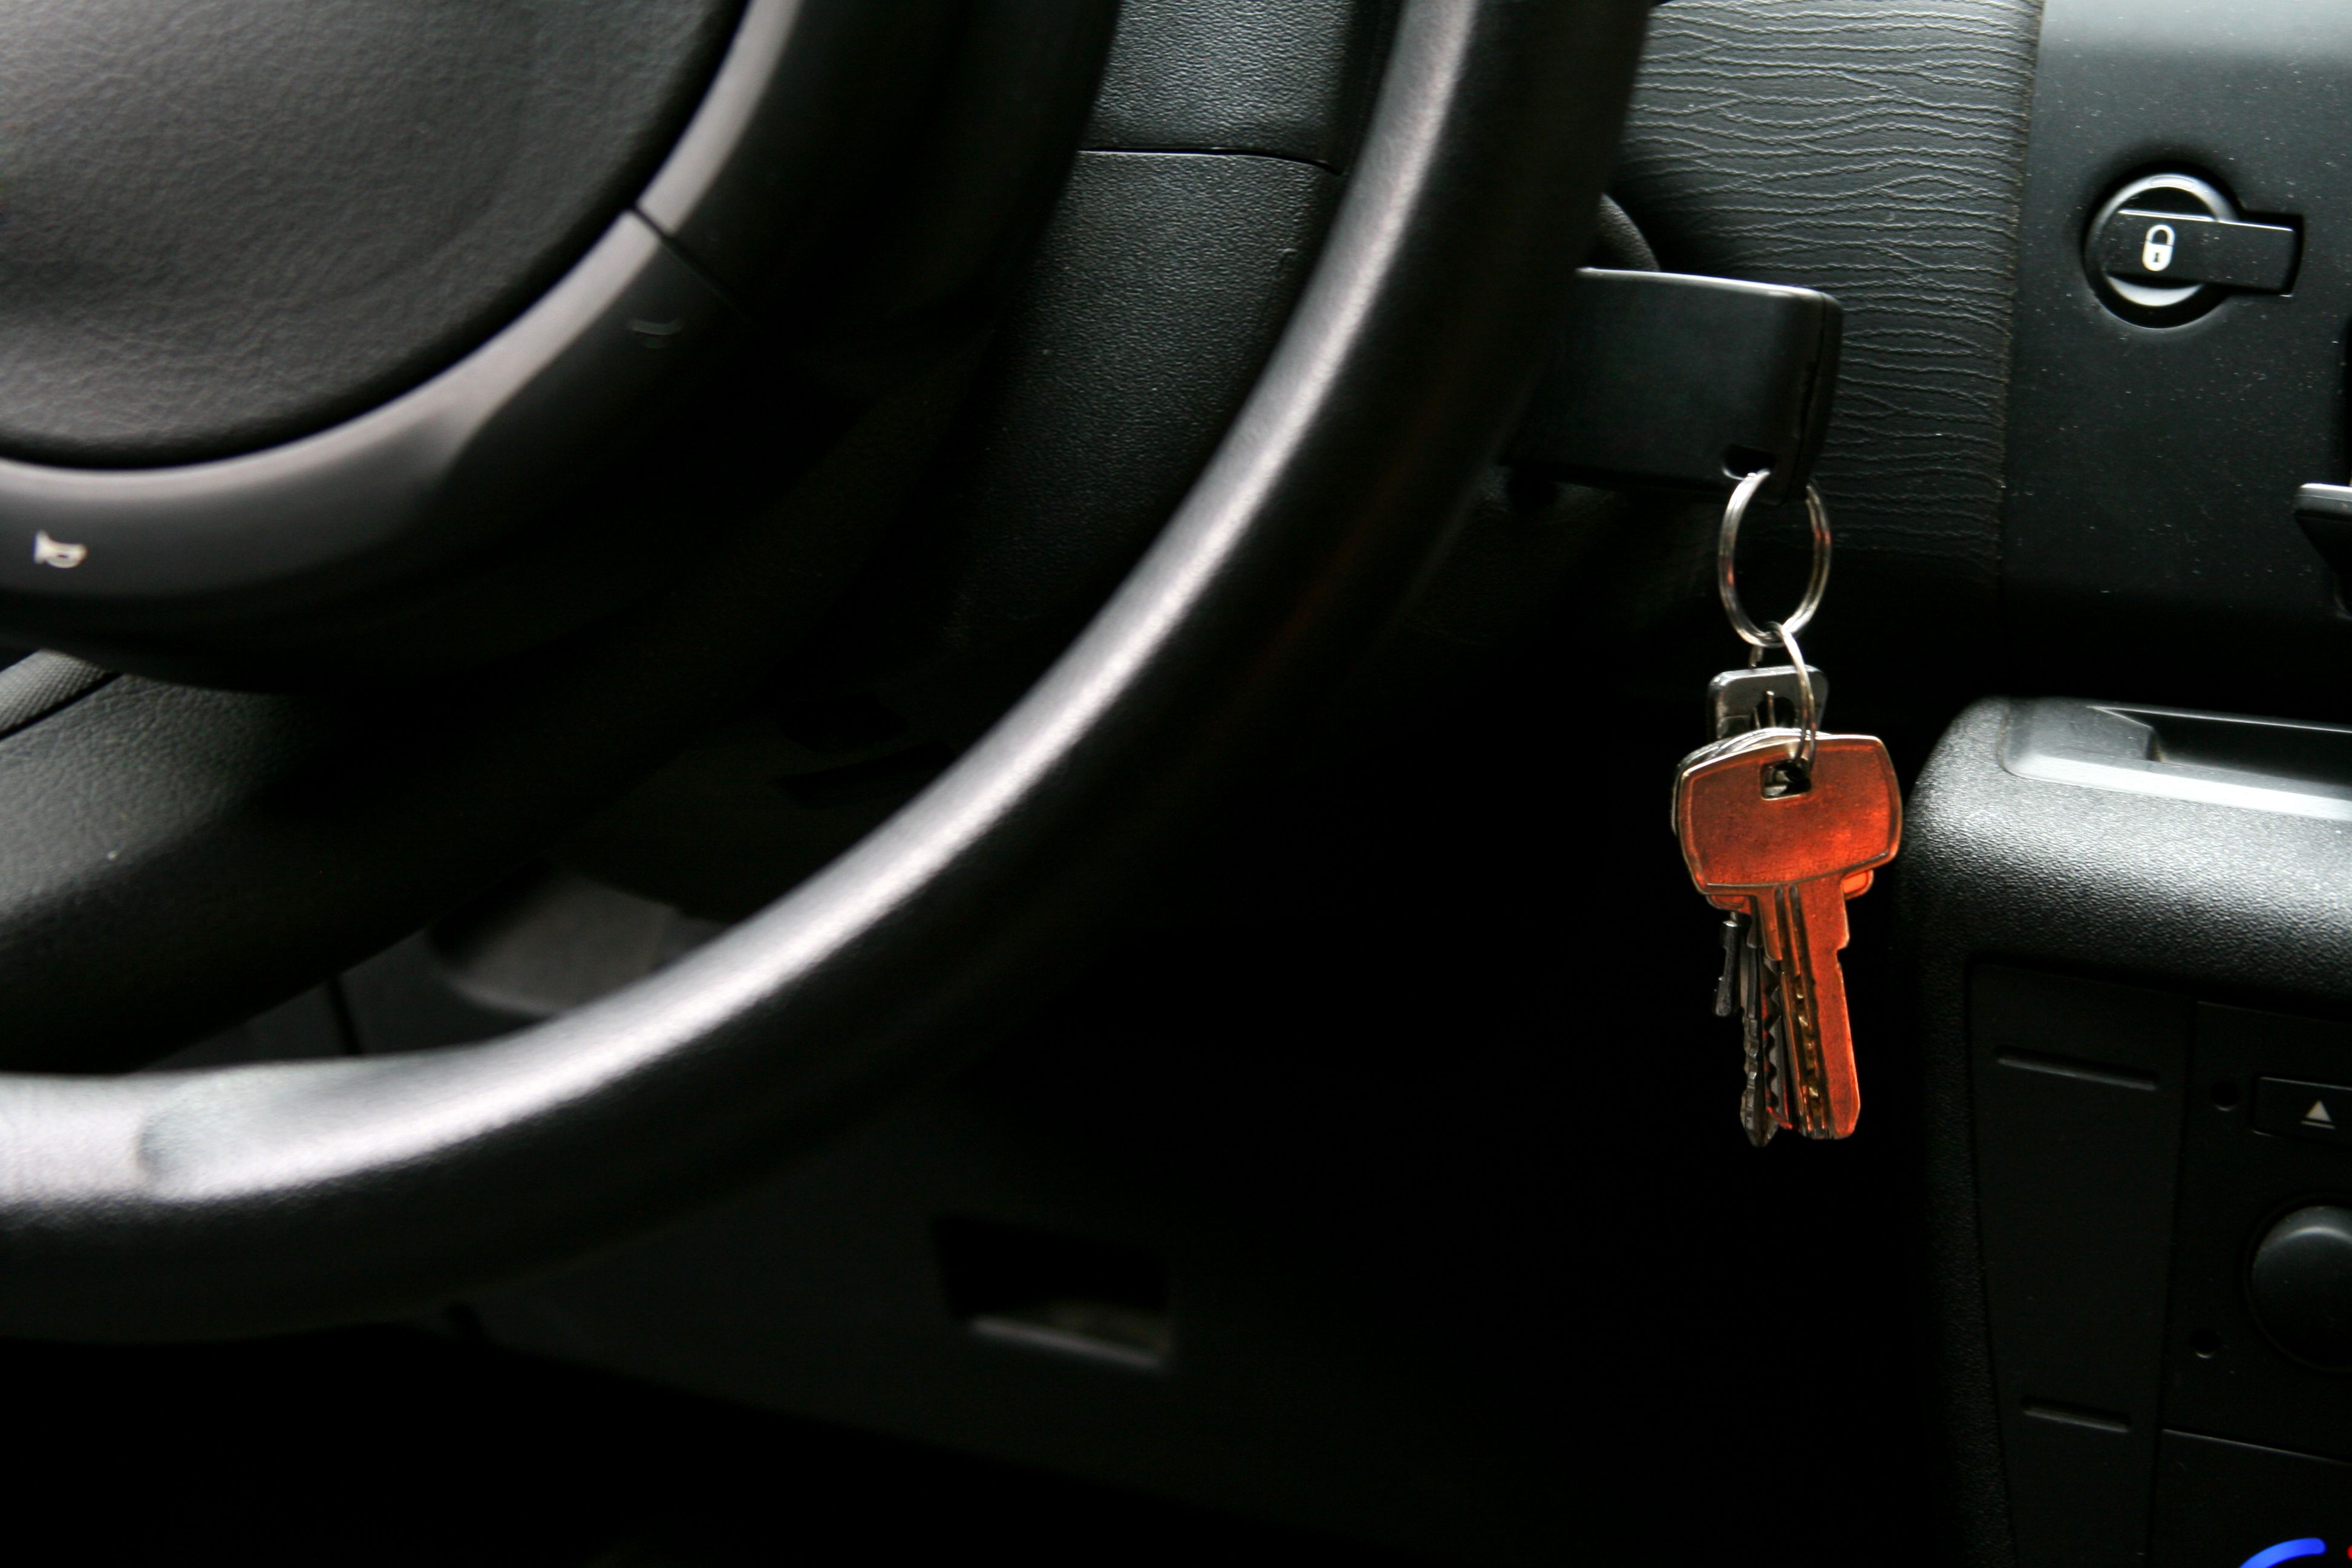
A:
x: 274, y: 1196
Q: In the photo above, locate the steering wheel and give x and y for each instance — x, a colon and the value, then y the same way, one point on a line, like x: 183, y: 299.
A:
x: 424, y: 522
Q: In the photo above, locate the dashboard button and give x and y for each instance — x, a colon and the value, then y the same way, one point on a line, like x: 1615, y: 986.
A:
x: 2181, y: 247
x: 2166, y: 249
x: 2292, y: 1109
x: 2301, y: 1286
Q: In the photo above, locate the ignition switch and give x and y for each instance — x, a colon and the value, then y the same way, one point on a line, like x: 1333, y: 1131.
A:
x: 2165, y: 248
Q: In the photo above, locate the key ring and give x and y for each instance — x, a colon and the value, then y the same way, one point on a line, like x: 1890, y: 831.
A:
x: 1735, y: 512
x: 1808, y: 713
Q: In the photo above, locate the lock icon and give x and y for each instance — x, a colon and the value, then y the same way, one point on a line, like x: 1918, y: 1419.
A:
x: 2156, y: 251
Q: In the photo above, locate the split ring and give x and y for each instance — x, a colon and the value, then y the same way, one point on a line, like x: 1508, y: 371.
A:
x: 1808, y: 705
x: 1726, y: 581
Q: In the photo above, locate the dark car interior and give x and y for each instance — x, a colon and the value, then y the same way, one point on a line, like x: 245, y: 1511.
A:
x: 805, y: 781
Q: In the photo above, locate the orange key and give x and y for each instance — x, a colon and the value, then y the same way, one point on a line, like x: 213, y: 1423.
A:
x: 1789, y: 857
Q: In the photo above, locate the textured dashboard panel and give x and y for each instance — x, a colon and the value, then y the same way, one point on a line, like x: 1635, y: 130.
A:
x: 1876, y: 151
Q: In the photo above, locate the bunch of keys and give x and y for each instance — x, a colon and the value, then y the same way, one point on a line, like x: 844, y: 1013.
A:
x: 1780, y: 825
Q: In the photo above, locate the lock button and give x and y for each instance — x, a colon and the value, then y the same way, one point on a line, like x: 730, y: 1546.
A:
x: 2165, y: 248
x: 2181, y: 247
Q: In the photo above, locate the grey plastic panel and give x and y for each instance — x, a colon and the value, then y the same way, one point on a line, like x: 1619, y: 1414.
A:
x: 2223, y: 1376
x: 2221, y: 1503
x: 2224, y: 759
x: 2182, y: 896
x: 2078, y: 1097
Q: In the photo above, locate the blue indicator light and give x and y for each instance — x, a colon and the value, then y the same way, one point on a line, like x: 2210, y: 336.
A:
x: 2286, y: 1551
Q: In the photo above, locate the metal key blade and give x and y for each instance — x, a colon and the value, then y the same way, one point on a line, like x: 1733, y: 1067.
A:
x: 1759, y: 1096
x: 1809, y: 922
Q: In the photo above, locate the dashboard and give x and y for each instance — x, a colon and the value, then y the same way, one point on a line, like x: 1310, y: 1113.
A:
x: 1321, y: 1195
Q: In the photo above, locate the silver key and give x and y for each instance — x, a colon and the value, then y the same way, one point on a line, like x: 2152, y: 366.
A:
x: 1739, y: 701
x: 1741, y: 990
x: 1735, y: 698
x: 1760, y: 1105
x: 1727, y: 991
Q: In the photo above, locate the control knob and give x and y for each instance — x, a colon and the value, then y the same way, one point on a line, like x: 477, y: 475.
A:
x: 2301, y: 1285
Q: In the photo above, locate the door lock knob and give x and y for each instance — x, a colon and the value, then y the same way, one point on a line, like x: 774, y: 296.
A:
x: 2164, y: 248
x: 2181, y: 247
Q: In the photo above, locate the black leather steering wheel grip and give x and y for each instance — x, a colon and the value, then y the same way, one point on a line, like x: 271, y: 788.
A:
x: 2300, y: 1285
